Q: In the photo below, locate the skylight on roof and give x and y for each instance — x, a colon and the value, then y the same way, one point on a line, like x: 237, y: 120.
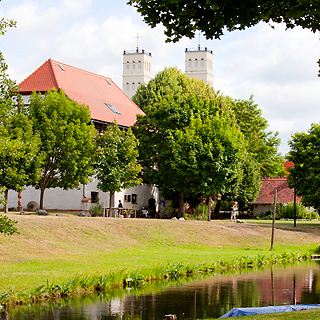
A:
x: 62, y: 68
x: 112, y: 108
x: 108, y: 82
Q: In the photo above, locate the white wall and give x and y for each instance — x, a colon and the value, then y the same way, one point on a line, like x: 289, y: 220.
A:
x: 59, y: 199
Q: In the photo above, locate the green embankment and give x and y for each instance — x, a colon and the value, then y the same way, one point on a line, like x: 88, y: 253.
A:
x: 52, y: 250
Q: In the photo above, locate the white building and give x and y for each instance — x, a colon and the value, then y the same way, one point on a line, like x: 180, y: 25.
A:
x: 107, y: 103
x: 136, y: 70
x: 198, y: 64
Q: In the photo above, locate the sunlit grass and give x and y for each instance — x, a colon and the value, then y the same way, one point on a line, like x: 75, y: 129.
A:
x: 55, y: 250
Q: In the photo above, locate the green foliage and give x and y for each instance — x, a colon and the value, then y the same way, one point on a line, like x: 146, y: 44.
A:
x: 7, y: 226
x: 171, y: 81
x: 207, y: 152
x: 187, y: 142
x: 286, y: 211
x: 182, y: 18
x: 262, y: 145
x: 96, y: 209
x: 18, y: 148
x: 66, y: 140
x: 199, y: 213
x: 116, y: 165
x: 301, y: 212
x: 305, y: 176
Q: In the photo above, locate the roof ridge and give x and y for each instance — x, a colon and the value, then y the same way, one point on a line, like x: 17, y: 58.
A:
x: 54, y: 75
x: 31, y: 75
x: 82, y: 70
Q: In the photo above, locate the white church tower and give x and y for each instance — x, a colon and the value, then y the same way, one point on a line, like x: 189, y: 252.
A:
x: 136, y: 70
x: 198, y: 64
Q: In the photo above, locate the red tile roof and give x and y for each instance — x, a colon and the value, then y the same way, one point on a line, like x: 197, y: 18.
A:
x: 85, y: 88
x: 284, y: 193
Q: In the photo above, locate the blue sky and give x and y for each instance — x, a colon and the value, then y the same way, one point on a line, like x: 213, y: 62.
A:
x: 278, y: 67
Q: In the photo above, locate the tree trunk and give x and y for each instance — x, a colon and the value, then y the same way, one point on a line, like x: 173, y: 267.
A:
x: 209, y: 208
x: 5, y: 208
x: 110, y: 201
x: 41, y: 197
x: 181, y: 205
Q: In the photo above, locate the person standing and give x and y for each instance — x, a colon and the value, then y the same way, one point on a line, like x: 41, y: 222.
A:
x: 120, y: 206
x: 234, y: 212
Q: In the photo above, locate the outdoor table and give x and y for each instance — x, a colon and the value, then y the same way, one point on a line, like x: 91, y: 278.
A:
x: 116, y: 212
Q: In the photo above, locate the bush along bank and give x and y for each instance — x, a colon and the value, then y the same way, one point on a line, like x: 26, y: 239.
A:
x: 83, y: 284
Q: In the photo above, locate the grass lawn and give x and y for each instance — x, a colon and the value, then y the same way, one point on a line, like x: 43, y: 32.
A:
x: 57, y: 248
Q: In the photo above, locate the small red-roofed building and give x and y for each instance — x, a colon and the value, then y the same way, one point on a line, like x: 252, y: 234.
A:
x: 265, y: 199
x: 107, y: 103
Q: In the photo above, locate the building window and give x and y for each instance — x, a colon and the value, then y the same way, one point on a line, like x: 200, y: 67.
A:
x: 139, y: 84
x: 202, y: 63
x: 139, y: 65
x: 94, y: 197
x: 133, y: 86
x: 133, y: 64
x: 196, y: 63
x: 127, y: 86
x: 190, y: 63
x: 128, y: 65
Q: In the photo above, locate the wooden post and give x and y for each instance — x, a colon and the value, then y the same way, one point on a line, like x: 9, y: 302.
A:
x: 209, y: 208
x: 294, y: 207
x: 274, y: 217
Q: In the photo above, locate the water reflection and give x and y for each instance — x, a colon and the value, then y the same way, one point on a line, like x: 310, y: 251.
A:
x: 199, y: 299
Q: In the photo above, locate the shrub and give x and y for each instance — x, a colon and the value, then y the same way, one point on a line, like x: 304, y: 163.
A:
x: 301, y: 212
x: 286, y: 211
x: 96, y: 210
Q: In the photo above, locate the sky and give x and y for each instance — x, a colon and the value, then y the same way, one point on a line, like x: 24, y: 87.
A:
x: 277, y: 66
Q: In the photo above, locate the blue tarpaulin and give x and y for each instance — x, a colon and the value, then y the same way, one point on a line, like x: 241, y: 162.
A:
x: 238, y: 312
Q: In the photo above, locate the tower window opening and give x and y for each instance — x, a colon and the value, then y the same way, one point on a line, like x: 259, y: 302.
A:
x: 190, y: 63
x: 133, y: 64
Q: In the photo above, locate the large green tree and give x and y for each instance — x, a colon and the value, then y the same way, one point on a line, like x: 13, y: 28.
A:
x: 305, y: 176
x: 66, y: 135
x: 116, y: 165
x: 18, y: 149
x: 18, y: 146
x: 214, y: 17
x: 207, y: 153
x: 170, y: 101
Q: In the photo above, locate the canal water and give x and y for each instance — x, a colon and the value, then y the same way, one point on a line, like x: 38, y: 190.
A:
x: 191, y: 298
